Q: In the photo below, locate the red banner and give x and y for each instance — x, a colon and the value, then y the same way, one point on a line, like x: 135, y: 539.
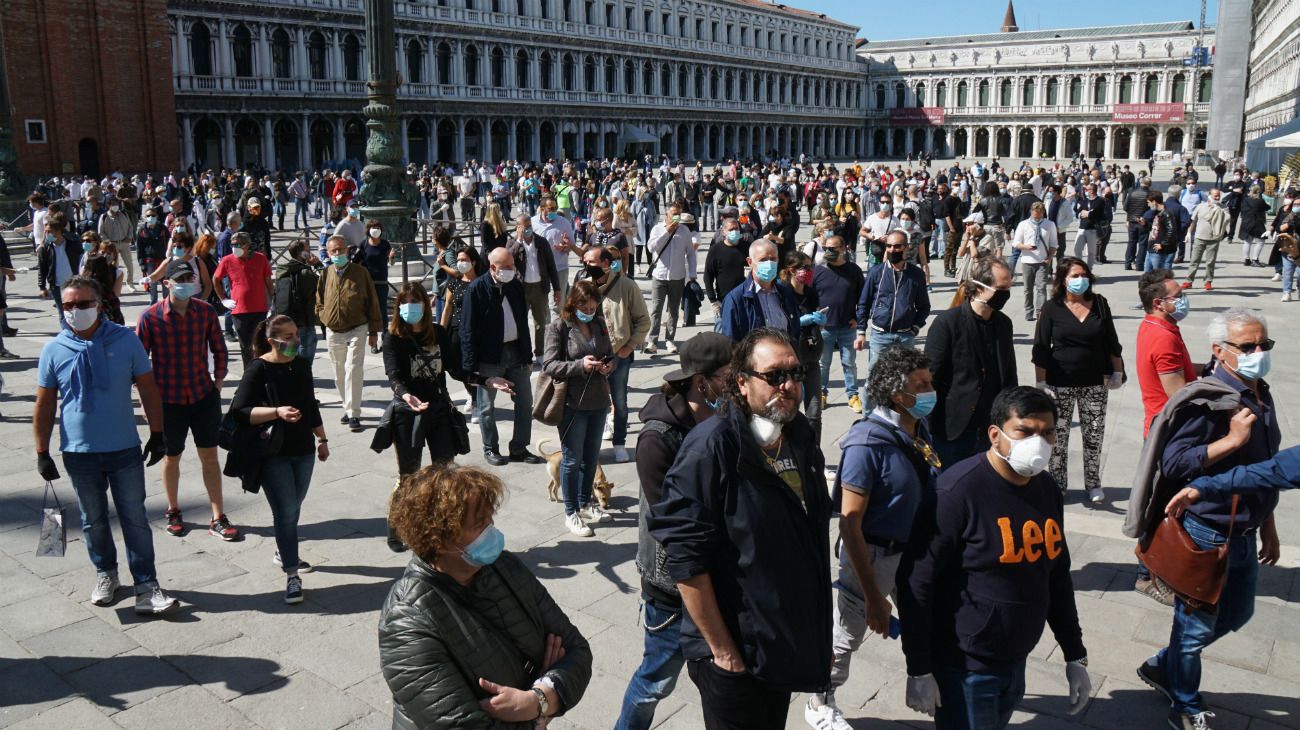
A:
x: 1147, y: 113
x: 916, y: 115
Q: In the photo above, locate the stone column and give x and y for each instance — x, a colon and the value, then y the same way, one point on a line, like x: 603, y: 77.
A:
x: 536, y: 151
x: 340, y: 142
x: 228, y: 127
x: 907, y: 140
x: 1037, y: 147
x: 460, y: 141
x: 181, y: 42
x: 304, y: 144
x: 512, y: 142
x: 406, y: 139
x: 1060, y: 141
x: 264, y: 52
x: 268, y: 143
x: 300, y: 70
x: 224, y: 65
x: 187, y: 141
x: 1160, y: 137
x: 486, y: 145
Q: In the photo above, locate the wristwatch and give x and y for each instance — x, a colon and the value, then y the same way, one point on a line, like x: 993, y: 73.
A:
x: 543, y: 705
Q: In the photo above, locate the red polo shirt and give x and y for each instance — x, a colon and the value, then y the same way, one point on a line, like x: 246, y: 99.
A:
x: 1160, y: 350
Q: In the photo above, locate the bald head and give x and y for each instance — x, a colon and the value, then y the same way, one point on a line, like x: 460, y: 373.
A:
x: 500, y: 258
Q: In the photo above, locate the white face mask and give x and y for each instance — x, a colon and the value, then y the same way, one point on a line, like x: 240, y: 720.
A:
x: 766, y: 430
x: 81, y: 320
x: 374, y: 233
x: 464, y: 266
x: 1028, y: 456
x: 505, y: 276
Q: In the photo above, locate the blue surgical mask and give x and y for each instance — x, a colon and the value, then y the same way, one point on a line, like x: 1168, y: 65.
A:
x: 924, y: 405
x: 183, y: 291
x: 551, y: 216
x: 87, y: 246
x: 340, y: 261
x: 766, y: 270
x: 178, y: 251
x: 410, y: 312
x: 733, y: 236
x: 1078, y: 285
x: 583, y: 316
x: 1253, y: 366
x: 1182, y: 305
x: 49, y: 238
x: 616, y: 267
x: 1295, y: 209
x: 486, y: 548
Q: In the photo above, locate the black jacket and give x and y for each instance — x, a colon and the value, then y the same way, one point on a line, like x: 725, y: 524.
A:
x: 667, y: 421
x: 1020, y: 206
x: 1254, y: 213
x: 45, y: 263
x: 725, y: 513
x: 957, y: 365
x: 1099, y: 213
x: 482, y: 323
x: 1136, y: 204
x: 545, y: 260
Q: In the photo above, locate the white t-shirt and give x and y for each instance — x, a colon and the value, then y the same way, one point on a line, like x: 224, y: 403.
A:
x: 879, y: 227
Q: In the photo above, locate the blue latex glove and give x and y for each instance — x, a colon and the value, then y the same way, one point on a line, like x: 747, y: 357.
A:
x: 816, y: 318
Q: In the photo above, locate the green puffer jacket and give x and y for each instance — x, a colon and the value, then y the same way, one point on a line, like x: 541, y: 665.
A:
x: 437, y: 638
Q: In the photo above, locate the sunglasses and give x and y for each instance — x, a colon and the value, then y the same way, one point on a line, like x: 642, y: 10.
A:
x: 1248, y: 347
x: 776, y: 378
x: 82, y: 304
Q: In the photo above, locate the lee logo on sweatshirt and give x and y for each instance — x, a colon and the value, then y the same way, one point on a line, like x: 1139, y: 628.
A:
x: 1034, y: 541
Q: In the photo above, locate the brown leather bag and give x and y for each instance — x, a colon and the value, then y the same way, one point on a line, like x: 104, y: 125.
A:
x: 1193, y: 573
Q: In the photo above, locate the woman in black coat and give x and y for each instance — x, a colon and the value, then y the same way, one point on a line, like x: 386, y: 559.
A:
x: 1252, y: 226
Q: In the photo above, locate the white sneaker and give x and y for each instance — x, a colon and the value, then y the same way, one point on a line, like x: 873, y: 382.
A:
x: 593, y: 513
x: 651, y: 349
x: 473, y: 418
x: 577, y: 526
x: 468, y: 408
x: 106, y: 586
x: 1096, y: 495
x: 825, y: 717
x: 1276, y: 277
x: 151, y: 600
x: 620, y: 455
x: 1286, y: 296
x: 671, y: 347
x: 609, y: 428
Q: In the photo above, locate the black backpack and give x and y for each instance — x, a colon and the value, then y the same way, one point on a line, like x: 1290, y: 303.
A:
x: 292, y: 296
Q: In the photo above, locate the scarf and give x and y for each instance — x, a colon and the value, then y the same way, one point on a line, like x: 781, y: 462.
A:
x: 1038, y: 232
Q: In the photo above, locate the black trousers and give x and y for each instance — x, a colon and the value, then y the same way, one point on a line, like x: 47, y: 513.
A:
x: 737, y: 701
x: 244, y: 326
x: 434, y: 439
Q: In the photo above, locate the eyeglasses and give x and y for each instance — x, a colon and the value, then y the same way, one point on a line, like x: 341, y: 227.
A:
x: 777, y: 378
x: 82, y: 304
x: 1248, y: 347
x: 927, y: 452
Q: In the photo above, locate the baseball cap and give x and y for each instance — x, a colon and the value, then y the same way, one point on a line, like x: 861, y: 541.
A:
x: 179, y: 268
x: 701, y: 355
x: 976, y: 217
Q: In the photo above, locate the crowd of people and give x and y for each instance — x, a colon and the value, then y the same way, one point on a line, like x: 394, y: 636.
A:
x: 954, y: 475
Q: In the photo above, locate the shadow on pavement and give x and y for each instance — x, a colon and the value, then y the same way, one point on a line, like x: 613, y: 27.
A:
x: 561, y: 560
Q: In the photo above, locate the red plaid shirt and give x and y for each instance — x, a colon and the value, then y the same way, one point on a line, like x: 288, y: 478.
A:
x: 179, y: 347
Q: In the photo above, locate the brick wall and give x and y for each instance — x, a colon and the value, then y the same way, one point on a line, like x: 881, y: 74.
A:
x: 96, y: 70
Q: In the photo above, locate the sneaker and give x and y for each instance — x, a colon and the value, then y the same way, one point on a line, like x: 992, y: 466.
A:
x: 344, y: 420
x: 473, y: 418
x: 526, y: 457
x: 608, y: 433
x: 293, y: 590
x: 106, y: 586
x: 855, y: 403
x: 303, y: 565
x: 1209, y: 286
x: 593, y: 513
x: 1286, y: 296
x: 354, y: 425
x: 577, y: 526
x: 1189, y: 720
x: 1096, y: 495
x: 151, y: 600
x: 7, y: 355
x: 1276, y: 277
x: 222, y: 528
x: 620, y: 455
x: 825, y: 716
x: 650, y: 348
x: 175, y: 527
x: 1187, y: 285
x: 468, y: 408
x: 1155, y: 589
x: 1153, y: 675
x: 671, y: 347
x: 495, y: 458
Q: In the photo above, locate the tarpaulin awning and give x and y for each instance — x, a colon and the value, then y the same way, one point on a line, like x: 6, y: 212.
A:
x: 1267, y: 151
x: 634, y: 134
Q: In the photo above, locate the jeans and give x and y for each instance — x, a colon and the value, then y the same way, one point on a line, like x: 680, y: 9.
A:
x: 977, y: 700
x: 1137, y: 237
x: 878, y: 342
x: 580, y: 432
x: 300, y: 207
x: 381, y: 293
x: 659, y: 291
x: 516, y: 372
x: 1288, y: 272
x: 1194, y: 630
x: 708, y: 216
x: 1208, y: 250
x: 840, y: 338
x: 307, y: 338
x: 1037, y: 277
x: 618, y: 394
x: 284, y: 481
x: 348, y: 351
x: 93, y: 476
x: 661, y: 663
x: 1159, y: 260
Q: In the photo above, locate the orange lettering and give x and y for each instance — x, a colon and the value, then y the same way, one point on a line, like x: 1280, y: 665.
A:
x: 1009, y: 552
x: 1052, y: 539
x: 1033, y: 537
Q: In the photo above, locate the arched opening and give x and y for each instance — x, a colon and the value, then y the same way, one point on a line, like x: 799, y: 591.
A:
x: 444, y: 64
x: 201, y: 49
x: 1126, y: 89
x: 354, y: 141
x: 241, y: 51
x: 963, y: 95
x: 1198, y: 141
x: 545, y: 70
x: 611, y: 76
x: 1076, y: 91
x: 322, y: 143
x: 647, y: 79
x: 589, y: 74
x: 1174, y: 140
x: 1178, y: 94
x: 1203, y: 88
x: 1099, y: 90
x: 1097, y: 142
x: 941, y: 94
x: 960, y: 143
x: 569, y: 70
x: 1151, y: 91
x: 940, y: 148
x: 500, y: 132
x: 699, y: 83
x: 920, y: 94
x: 1073, y: 142
x: 447, y: 142
x: 207, y: 144
x: 898, y: 143
x: 1027, y: 93
x: 351, y: 57
x: 880, y: 96
x: 497, y: 65
x: 522, y: 69
x: 524, y: 140
x: 900, y: 95
x: 473, y: 139
x: 629, y: 78
x: 1122, y: 141
x: 248, y: 143
x: 983, y: 93
x: 1025, y: 143
x: 414, y: 62
x: 281, y: 55
x: 1147, y: 140
x: 1053, y: 92
x: 417, y: 141
x: 918, y: 141
x: 285, y: 144
x: 1003, y: 146
x: 1004, y: 93
x: 981, y: 142
x: 548, y: 141
x: 1047, y: 145
x: 88, y: 157
x: 316, y: 56
x: 471, y: 65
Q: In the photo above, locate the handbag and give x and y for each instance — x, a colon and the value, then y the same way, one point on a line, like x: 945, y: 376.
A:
x: 550, y: 395
x: 53, y: 540
x: 1193, y: 573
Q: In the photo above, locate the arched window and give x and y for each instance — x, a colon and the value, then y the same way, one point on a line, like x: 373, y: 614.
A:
x: 522, y: 69
x: 984, y: 93
x: 1076, y: 91
x: 201, y: 49
x: 715, y: 80
x: 444, y: 63
x: 629, y: 78
x: 544, y: 65
x: 569, y: 70
x: 1027, y: 93
x: 316, y: 55
x: 880, y: 96
x: 351, y: 58
x: 1151, y: 89
x: 920, y: 94
x: 941, y: 94
x: 1126, y: 89
x: 241, y: 47
x: 1099, y: 90
x: 1053, y: 92
x: 1179, y: 94
x: 1004, y: 93
x: 963, y: 95
x: 471, y: 65
x: 647, y: 79
x: 281, y: 55
x: 1203, y: 88
x: 498, y: 66
x: 744, y: 86
x: 414, y: 62
x: 900, y: 95
x: 665, y: 81
x: 611, y: 76
x: 699, y: 83
x: 682, y: 81
x: 589, y: 74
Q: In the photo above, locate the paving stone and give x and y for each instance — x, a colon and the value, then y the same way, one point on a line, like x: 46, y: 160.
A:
x: 127, y: 680
x: 298, y: 701
x: 75, y: 646
x: 200, y: 709
x: 374, y: 691
x: 342, y: 657
x: 28, y: 688
x: 38, y: 615
x: 233, y: 669
x: 77, y: 713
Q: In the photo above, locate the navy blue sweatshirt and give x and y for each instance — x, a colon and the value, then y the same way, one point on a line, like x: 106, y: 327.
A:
x: 838, y: 289
x: 996, y: 570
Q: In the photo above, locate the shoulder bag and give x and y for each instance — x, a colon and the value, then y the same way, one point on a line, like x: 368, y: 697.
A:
x: 1193, y: 573
x: 551, y: 394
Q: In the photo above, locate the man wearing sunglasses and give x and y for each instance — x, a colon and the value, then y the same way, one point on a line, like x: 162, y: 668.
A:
x: 754, y: 578
x: 90, y: 367
x: 894, y: 303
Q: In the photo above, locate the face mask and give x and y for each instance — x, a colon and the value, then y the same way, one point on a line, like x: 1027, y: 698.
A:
x: 1253, y: 366
x: 907, y: 225
x: 288, y: 348
x: 81, y: 319
x: 183, y: 291
x: 895, y: 257
x: 505, y: 276
x: 999, y: 298
x: 113, y: 209
x: 151, y: 220
x: 805, y: 276
x: 551, y: 216
x: 583, y: 316
x: 237, y: 251
x: 1295, y: 209
x: 528, y: 233
x: 178, y: 252
x: 1078, y: 285
x: 733, y: 237
x: 766, y: 270
x: 831, y: 256
x: 1028, y: 456
x: 925, y: 403
x: 410, y: 312
x: 49, y: 238
x: 486, y: 548
x: 87, y: 246
x: 594, y: 272
x: 886, y: 207
x: 1182, y: 305
x: 616, y: 267
x: 374, y: 233
x: 714, y: 404
x: 340, y: 261
x: 354, y: 214
x: 464, y: 267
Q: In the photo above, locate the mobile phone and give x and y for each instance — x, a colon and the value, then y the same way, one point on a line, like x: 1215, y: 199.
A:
x: 607, y: 360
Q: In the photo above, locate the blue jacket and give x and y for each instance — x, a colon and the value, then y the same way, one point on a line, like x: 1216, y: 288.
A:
x: 742, y: 311
x: 897, y: 303
x: 880, y: 462
x: 482, y: 324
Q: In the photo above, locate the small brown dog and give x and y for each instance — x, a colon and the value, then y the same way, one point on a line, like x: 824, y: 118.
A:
x: 600, y: 485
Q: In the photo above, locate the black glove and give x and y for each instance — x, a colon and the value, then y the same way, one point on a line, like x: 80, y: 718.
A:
x: 154, y: 448
x: 45, y: 466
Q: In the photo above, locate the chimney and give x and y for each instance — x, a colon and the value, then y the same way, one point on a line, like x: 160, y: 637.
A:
x: 1009, y: 20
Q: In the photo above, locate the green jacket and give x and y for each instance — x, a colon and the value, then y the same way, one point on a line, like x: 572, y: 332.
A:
x: 437, y: 638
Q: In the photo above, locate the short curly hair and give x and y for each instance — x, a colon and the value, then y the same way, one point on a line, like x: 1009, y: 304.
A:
x: 430, y: 507
x: 888, y: 375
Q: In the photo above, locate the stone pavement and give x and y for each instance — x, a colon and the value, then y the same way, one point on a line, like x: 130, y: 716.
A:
x: 236, y: 656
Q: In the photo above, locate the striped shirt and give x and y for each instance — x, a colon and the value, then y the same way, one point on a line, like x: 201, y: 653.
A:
x: 179, y: 346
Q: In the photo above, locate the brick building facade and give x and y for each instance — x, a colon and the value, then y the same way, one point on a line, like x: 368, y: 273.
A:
x: 88, y: 85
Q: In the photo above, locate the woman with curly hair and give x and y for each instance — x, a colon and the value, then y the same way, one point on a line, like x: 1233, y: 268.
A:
x: 468, y: 637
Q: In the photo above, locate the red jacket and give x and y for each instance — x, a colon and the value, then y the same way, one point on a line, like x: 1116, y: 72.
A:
x: 344, y: 188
